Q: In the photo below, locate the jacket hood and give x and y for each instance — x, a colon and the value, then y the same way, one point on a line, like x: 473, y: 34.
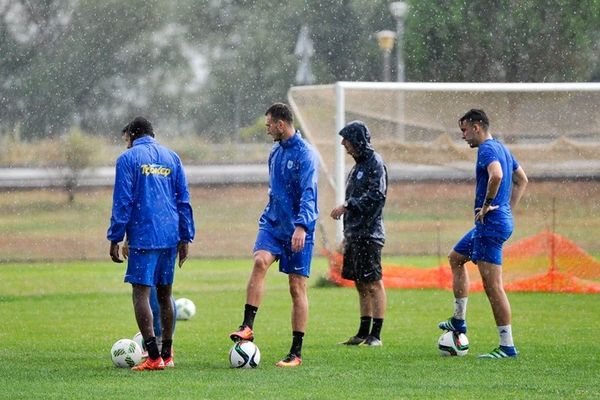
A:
x: 358, y: 134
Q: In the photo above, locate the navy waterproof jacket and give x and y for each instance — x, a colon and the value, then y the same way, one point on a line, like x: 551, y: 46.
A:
x: 293, y: 180
x: 151, y: 201
x: 366, y: 188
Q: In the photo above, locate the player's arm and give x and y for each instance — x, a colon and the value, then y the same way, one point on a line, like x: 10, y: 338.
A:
x: 519, y: 184
x: 495, y: 176
x: 187, y: 229
x: 122, y: 206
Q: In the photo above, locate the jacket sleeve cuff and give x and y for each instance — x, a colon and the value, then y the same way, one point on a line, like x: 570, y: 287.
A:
x: 301, y: 225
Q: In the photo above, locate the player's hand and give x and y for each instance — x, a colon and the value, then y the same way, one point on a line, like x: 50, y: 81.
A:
x: 337, y: 212
x: 480, y: 212
x: 182, y: 251
x: 298, y: 239
x: 114, y: 252
x: 125, y: 249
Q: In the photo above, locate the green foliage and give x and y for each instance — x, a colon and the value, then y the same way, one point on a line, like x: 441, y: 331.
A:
x: 62, y: 319
x: 79, y: 153
x: 212, y: 67
x: 79, y: 150
x: 255, y: 132
x: 504, y: 41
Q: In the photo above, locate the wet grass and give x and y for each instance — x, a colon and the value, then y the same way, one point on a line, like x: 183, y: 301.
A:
x: 60, y: 320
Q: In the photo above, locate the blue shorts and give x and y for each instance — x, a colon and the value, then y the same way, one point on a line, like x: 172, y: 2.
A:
x: 482, y: 248
x: 151, y: 267
x: 289, y: 262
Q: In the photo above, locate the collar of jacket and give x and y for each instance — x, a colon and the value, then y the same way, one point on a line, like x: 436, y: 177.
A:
x: 291, y: 141
x: 143, y: 140
x: 364, y: 155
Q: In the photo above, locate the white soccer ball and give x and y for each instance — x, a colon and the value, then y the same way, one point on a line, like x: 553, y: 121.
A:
x: 186, y: 308
x: 244, y: 354
x: 126, y: 353
x: 139, y: 339
x: 453, y: 344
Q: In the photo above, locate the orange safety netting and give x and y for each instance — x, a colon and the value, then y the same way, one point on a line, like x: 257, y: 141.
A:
x: 545, y: 262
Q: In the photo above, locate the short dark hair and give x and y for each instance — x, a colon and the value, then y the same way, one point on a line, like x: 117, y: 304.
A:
x: 281, y: 112
x: 476, y: 116
x: 139, y: 127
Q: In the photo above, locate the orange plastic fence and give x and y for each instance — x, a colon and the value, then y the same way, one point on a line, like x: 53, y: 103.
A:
x: 545, y: 262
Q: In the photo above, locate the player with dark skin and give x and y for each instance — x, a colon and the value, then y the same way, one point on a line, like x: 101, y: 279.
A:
x: 156, y: 234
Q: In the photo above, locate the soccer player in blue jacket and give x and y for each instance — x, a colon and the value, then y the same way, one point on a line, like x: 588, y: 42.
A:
x: 153, y: 295
x: 286, y: 227
x: 500, y: 184
x: 151, y: 205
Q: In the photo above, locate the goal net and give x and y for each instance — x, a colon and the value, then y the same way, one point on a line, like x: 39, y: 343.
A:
x: 552, y: 128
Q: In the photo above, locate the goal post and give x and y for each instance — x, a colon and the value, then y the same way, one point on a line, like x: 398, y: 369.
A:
x: 546, y: 125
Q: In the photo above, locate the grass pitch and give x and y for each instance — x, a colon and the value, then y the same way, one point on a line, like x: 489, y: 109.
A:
x: 59, y: 322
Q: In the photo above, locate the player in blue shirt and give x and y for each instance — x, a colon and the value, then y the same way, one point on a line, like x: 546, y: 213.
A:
x: 151, y: 205
x: 500, y: 184
x: 286, y: 227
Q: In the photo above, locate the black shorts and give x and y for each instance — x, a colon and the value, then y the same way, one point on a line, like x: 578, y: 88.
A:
x: 362, y: 261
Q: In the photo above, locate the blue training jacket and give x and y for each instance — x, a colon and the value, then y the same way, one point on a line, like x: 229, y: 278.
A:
x: 293, y: 176
x: 151, y: 201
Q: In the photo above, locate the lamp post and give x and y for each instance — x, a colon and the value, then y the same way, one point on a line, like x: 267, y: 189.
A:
x: 385, y: 39
x: 398, y: 10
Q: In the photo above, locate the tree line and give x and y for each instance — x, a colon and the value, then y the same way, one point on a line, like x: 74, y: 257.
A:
x: 210, y: 67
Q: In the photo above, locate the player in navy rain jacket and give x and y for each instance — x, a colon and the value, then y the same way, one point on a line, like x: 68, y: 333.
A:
x: 151, y: 205
x: 364, y: 234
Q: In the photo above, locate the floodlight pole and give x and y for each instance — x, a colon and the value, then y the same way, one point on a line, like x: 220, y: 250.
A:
x: 399, y: 10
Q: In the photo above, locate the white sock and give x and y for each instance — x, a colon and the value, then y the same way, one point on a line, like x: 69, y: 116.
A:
x: 505, y: 332
x: 460, y: 308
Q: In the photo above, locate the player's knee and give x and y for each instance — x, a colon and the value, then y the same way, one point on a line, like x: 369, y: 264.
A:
x: 260, y: 262
x: 297, y: 289
x: 456, y: 260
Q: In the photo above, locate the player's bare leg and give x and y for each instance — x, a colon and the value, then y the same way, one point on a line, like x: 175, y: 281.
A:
x: 143, y: 316
x: 460, y: 288
x: 143, y: 312
x: 373, y: 302
x: 460, y: 276
x: 256, y: 284
x: 299, y: 302
x: 299, y: 320
x: 254, y: 294
x: 491, y: 275
x: 164, y: 293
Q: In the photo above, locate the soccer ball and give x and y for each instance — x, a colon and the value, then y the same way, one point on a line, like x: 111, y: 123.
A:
x: 126, y: 353
x: 244, y: 354
x: 186, y: 308
x: 139, y: 339
x: 453, y: 344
